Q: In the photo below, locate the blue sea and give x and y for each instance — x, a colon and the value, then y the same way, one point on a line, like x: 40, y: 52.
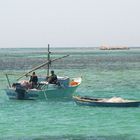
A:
x: 105, y: 73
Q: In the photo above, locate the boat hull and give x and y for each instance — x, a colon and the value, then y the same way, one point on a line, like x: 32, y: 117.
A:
x: 50, y: 91
x: 95, y: 103
x: 43, y: 94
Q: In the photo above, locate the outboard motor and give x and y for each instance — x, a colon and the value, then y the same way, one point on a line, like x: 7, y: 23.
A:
x: 20, y: 92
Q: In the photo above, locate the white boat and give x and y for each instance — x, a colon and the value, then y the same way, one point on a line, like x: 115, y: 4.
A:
x: 44, y: 90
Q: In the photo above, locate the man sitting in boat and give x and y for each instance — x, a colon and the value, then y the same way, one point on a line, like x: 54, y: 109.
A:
x: 53, y: 78
x: 33, y: 80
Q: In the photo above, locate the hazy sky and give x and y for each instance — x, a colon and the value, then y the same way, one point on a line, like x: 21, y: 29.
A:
x: 69, y: 23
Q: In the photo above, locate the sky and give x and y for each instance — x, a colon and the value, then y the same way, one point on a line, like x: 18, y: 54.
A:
x: 69, y: 23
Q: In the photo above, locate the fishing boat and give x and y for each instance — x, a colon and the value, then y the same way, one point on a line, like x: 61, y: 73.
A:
x: 105, y: 102
x: 44, y: 90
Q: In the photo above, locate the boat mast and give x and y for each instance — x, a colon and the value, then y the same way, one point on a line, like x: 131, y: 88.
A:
x: 48, y: 60
x: 48, y: 63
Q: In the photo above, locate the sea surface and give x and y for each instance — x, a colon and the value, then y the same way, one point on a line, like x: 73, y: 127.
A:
x: 105, y: 73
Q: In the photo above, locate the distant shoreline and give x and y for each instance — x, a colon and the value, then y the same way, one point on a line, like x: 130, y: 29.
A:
x: 67, y: 48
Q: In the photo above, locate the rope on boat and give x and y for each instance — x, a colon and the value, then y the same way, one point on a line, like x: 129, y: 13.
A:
x: 43, y: 88
x: 45, y: 95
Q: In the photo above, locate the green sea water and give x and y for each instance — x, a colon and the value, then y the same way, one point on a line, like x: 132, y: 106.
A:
x: 104, y: 74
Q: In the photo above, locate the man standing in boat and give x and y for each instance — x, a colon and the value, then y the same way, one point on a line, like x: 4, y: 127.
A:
x: 33, y: 80
x: 53, y: 78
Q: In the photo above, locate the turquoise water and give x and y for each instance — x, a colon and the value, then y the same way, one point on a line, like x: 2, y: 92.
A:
x: 104, y: 74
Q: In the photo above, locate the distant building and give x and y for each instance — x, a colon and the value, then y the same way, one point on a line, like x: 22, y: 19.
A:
x: 104, y: 47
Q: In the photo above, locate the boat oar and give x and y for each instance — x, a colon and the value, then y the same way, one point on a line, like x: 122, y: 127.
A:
x: 42, y: 65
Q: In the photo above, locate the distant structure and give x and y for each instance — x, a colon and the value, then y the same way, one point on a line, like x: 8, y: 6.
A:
x: 104, y: 47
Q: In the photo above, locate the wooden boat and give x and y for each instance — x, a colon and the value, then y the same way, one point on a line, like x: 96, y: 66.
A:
x: 44, y: 90
x: 105, y: 102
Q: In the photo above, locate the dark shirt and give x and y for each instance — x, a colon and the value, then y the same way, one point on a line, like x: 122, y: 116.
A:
x: 34, y: 79
x: 52, y: 79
